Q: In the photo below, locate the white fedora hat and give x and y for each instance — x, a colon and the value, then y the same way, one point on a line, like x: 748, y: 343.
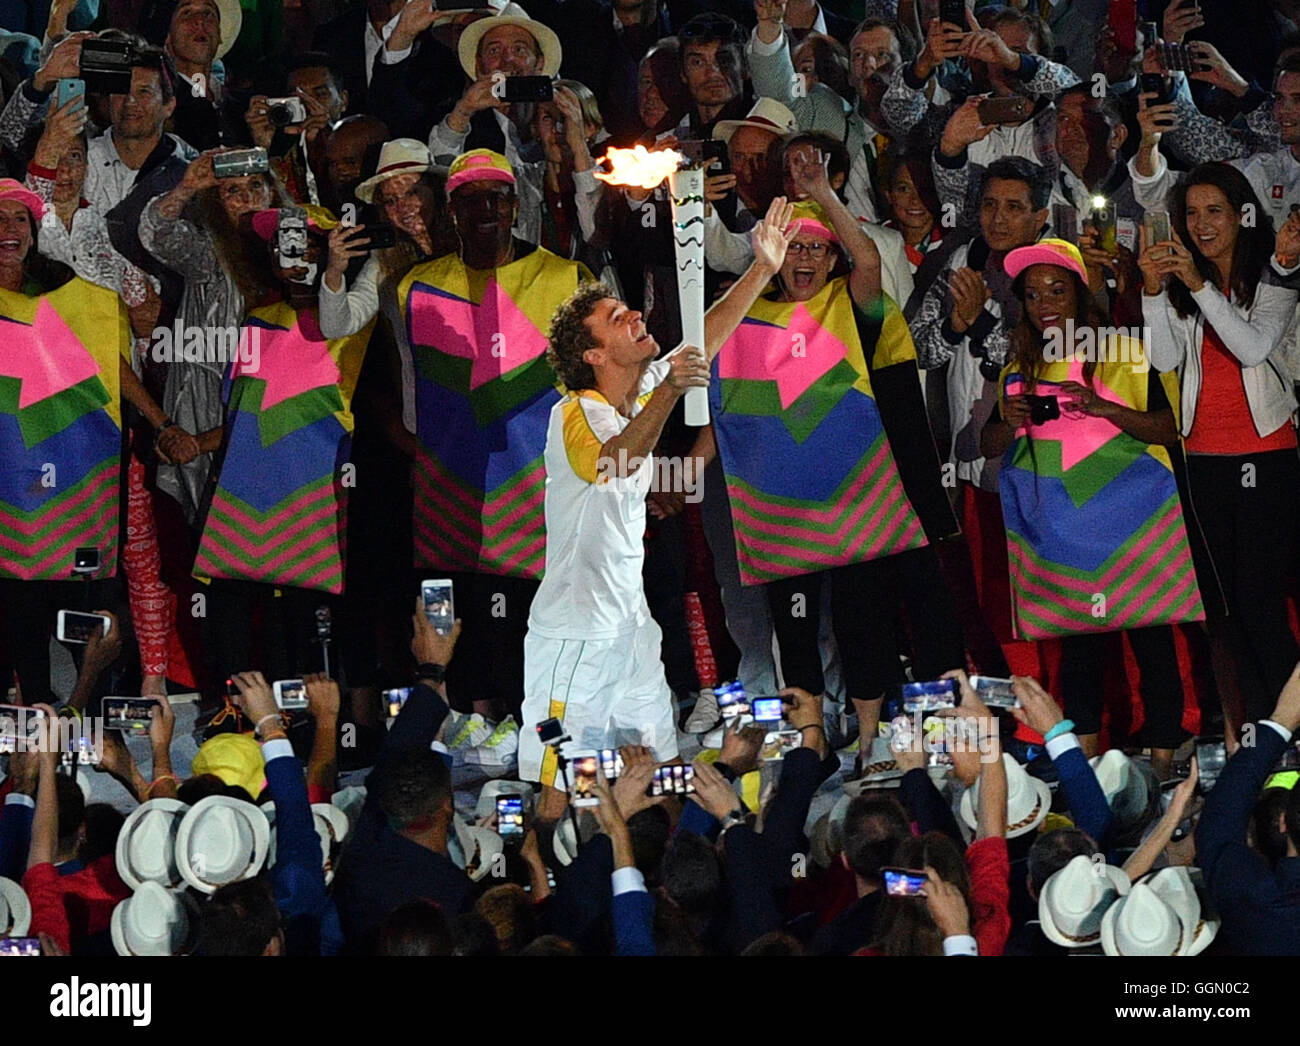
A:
x: 146, y: 845
x: 331, y: 826
x: 1029, y: 800
x: 400, y: 156
x: 473, y: 848
x: 564, y: 842
x: 1183, y: 889
x: 1143, y: 924
x: 1075, y: 899
x: 220, y: 841
x: 155, y: 921
x: 475, y: 31
x: 1125, y: 786
x: 15, y: 909
x: 767, y: 115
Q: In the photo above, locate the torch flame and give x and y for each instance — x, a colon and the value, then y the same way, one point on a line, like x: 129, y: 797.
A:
x: 638, y: 166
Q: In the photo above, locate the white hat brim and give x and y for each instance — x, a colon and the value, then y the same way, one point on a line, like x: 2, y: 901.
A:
x: 1118, y: 878
x: 257, y: 820
x: 124, y: 870
x: 20, y: 908
x: 118, y: 933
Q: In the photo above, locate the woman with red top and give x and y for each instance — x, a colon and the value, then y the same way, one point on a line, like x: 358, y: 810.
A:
x: 964, y: 909
x: 1212, y: 318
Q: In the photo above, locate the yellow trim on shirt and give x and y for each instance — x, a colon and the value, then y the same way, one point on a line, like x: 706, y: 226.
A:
x: 581, y: 445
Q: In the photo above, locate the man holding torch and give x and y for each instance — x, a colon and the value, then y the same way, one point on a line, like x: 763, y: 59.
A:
x: 591, y: 656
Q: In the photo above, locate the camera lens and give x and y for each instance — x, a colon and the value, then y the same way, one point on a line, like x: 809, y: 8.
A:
x: 279, y: 115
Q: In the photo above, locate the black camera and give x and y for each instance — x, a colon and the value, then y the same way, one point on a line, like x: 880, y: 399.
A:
x: 1043, y: 409
x: 85, y: 560
x: 380, y: 236
x: 551, y: 732
x: 106, y: 66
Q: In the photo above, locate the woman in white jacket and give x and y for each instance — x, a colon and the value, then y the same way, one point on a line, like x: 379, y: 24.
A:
x: 1214, y: 319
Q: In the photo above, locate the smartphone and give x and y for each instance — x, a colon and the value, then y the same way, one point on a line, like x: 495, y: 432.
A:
x: 1122, y: 18
x: 994, y: 692
x: 510, y: 817
x: 18, y: 725
x: 131, y: 714
x: 673, y: 780
x: 1154, y: 83
x: 380, y: 236
x: 68, y: 89
x: 1014, y: 109
x: 1043, y: 409
x: 527, y: 89
x: 611, y: 764
x: 1184, y: 828
x: 903, y: 882
x: 76, y: 627
x: 438, y: 605
x: 766, y: 709
x: 1211, y: 757
x: 20, y: 946
x: 291, y: 239
x: 1103, y: 219
x: 394, y: 700
x: 105, y: 65
x: 236, y: 163
x: 708, y: 153
x: 1065, y: 220
x: 954, y: 13
x: 1157, y: 227
x: 583, y: 766
x: 290, y: 694
x: 929, y: 695
x: 1176, y: 58
x: 780, y: 742
x: 732, y: 701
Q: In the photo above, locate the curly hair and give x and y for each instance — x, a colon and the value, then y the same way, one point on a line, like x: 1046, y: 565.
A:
x: 570, y: 337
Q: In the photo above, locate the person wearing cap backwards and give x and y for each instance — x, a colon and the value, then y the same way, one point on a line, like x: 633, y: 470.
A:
x: 842, y: 362
x: 482, y: 391
x: 287, y: 431
x: 591, y: 657
x: 1088, y: 495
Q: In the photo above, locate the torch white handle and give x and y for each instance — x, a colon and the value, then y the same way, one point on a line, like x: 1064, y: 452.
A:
x: 687, y: 191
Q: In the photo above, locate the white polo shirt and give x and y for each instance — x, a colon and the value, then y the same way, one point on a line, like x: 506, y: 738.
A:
x: 595, y: 522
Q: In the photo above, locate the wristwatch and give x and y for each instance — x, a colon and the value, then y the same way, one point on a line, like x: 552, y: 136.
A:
x: 428, y: 670
x: 737, y: 816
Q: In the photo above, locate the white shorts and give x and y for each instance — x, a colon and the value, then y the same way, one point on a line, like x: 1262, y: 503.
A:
x: 607, y: 692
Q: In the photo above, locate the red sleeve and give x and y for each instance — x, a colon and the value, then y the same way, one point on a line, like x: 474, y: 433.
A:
x: 319, y: 793
x: 45, y: 892
x: 990, y: 893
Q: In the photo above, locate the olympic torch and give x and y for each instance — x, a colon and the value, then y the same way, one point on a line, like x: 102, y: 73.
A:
x: 640, y: 168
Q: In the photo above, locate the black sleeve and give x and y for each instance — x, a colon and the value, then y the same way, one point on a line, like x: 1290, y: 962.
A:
x: 1157, y: 398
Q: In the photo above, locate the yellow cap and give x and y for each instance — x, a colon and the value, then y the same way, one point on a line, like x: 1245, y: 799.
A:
x: 235, y: 758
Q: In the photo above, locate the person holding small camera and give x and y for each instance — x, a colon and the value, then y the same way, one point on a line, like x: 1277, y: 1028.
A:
x: 1095, y: 531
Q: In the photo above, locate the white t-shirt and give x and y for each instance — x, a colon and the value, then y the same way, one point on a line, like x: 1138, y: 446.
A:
x: 595, y: 522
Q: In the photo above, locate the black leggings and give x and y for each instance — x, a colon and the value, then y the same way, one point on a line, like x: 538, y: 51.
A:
x: 864, y: 609
x: 1083, y: 660
x: 1248, y: 517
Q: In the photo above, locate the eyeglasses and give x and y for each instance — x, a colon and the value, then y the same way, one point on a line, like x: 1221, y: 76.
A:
x: 813, y: 250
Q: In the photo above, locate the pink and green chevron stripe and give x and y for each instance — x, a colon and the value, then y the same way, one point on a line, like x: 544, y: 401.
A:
x: 297, y: 542
x: 38, y: 544
x: 868, y: 517
x: 456, y: 528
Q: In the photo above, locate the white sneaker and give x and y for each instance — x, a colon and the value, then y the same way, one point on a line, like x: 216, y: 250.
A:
x: 705, y: 715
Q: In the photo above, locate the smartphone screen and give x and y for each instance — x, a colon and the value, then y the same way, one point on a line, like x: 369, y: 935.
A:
x: 766, y: 709
x: 75, y: 627
x: 17, y: 725
x: 438, y: 606
x: 1157, y: 227
x: 290, y: 693
x: 611, y: 764
x: 20, y: 946
x: 584, y: 779
x: 128, y: 713
x: 394, y: 700
x: 510, y: 816
x: 900, y: 882
x: 1211, y: 757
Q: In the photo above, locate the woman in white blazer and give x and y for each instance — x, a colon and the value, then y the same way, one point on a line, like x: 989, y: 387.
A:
x: 1213, y: 318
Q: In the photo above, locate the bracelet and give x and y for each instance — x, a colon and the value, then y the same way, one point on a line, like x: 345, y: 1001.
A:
x: 813, y: 726
x: 257, y: 730
x: 430, y: 670
x: 1063, y: 727
x: 159, y: 780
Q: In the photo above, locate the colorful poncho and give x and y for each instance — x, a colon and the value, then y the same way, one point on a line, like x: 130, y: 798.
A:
x: 1095, y: 529
x: 484, y: 393
x: 60, y: 429
x: 810, y: 472
x: 278, y: 511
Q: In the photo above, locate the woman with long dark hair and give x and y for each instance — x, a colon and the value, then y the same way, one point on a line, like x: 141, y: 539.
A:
x: 1216, y: 322
x: 1095, y: 532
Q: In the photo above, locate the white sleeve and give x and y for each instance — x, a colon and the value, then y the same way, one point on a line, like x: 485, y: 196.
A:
x: 1152, y: 192
x: 445, y: 144
x: 724, y: 250
x: 587, y: 193
x: 1167, y: 348
x: 347, y: 311
x: 1251, y: 338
